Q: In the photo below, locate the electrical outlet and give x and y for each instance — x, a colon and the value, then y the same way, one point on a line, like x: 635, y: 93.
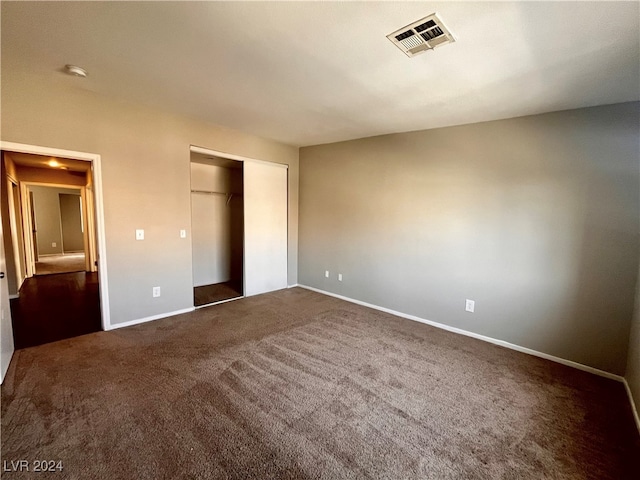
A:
x: 326, y: 273
x: 156, y: 291
x: 54, y: 244
x: 139, y: 234
x: 470, y: 305
x: 183, y: 234
x: 339, y: 277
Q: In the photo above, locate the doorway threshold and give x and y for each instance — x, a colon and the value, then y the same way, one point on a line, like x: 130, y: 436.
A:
x: 218, y: 303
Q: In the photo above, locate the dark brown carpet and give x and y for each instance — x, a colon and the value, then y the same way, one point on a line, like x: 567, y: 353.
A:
x: 218, y: 292
x: 55, y: 307
x: 60, y: 264
x: 297, y: 385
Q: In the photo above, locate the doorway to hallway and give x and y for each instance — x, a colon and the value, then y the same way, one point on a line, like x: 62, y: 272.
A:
x: 52, y: 260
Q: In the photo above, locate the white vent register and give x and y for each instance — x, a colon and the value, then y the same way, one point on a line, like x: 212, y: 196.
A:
x: 422, y: 35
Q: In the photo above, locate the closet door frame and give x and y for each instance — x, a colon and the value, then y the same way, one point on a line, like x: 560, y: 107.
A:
x: 231, y: 156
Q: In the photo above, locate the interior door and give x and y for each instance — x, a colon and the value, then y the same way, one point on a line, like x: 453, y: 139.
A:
x: 265, y: 227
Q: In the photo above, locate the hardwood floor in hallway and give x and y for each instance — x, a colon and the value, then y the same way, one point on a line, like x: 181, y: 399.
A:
x: 55, y: 307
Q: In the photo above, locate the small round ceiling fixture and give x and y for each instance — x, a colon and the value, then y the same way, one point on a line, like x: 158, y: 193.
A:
x: 75, y: 70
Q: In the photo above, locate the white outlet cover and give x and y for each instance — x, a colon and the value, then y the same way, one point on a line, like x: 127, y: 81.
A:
x: 156, y: 291
x: 54, y: 244
x: 183, y: 234
x: 139, y: 234
x: 470, y: 305
x: 326, y: 273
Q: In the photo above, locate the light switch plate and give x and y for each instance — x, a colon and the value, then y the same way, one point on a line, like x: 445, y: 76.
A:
x: 183, y: 234
x: 139, y: 234
x: 339, y: 277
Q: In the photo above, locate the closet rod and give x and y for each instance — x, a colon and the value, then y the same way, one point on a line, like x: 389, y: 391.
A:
x: 216, y: 193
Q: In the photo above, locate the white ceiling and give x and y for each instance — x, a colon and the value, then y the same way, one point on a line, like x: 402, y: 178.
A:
x: 306, y: 73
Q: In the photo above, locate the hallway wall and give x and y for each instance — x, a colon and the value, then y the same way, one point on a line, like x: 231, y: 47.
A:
x: 46, y: 202
x: 72, y: 223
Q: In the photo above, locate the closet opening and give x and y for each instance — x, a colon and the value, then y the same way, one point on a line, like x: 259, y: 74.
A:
x: 217, y: 228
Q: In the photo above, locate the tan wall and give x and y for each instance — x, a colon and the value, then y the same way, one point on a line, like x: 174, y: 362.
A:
x: 534, y: 218
x: 145, y: 167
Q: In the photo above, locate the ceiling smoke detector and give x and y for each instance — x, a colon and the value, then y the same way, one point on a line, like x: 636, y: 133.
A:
x: 422, y: 35
x: 75, y: 70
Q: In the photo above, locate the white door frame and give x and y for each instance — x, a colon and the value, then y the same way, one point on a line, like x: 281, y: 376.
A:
x: 96, y: 168
x: 17, y: 241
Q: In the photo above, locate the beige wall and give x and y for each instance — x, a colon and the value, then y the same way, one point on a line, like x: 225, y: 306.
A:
x: 145, y: 168
x: 534, y: 218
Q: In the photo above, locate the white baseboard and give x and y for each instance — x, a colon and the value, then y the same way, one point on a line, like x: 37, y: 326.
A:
x: 294, y: 285
x: 149, y: 319
x: 467, y: 333
x: 633, y: 404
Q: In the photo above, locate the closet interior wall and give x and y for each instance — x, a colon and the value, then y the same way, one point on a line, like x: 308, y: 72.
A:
x: 217, y: 211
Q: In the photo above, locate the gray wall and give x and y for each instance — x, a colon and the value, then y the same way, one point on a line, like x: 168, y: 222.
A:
x: 71, y: 220
x: 46, y: 202
x: 534, y: 218
x: 145, y: 168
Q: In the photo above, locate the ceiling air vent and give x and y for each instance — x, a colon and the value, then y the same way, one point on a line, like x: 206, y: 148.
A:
x: 418, y: 37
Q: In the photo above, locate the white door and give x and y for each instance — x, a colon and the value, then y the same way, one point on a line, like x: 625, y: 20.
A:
x: 265, y: 227
x: 6, y: 330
